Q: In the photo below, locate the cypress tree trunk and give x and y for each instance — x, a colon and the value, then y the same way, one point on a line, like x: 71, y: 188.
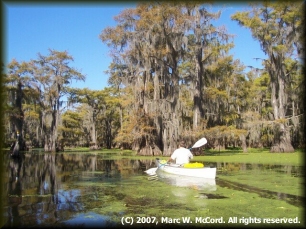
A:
x: 282, y: 139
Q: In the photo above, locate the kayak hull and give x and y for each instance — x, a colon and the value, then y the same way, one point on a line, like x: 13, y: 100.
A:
x: 209, y: 173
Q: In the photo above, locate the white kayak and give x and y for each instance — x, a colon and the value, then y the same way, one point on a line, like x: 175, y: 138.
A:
x: 209, y: 173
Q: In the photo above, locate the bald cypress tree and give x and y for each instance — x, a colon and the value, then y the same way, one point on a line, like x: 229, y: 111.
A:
x: 278, y: 28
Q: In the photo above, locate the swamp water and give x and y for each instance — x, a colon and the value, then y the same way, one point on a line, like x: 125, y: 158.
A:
x: 79, y: 189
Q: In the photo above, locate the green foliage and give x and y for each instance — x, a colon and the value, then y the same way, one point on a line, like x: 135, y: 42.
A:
x: 35, y: 89
x: 215, y: 93
x: 231, y: 133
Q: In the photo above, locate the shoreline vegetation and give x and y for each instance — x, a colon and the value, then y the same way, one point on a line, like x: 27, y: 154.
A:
x: 256, y: 156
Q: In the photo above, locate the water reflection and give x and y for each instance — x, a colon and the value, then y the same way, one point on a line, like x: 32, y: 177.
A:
x: 15, y: 190
x: 41, y: 188
x: 229, y: 168
x: 47, y: 189
x: 90, y: 219
x: 185, y: 181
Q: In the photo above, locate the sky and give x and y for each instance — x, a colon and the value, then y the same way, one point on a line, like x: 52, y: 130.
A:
x: 32, y: 28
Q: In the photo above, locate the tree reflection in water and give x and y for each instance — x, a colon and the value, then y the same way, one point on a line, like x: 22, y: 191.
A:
x: 41, y: 186
x: 14, y: 188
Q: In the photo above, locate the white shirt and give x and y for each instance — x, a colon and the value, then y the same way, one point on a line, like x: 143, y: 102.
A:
x: 181, y: 156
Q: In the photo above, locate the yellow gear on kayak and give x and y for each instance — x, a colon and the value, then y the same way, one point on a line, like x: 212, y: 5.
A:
x: 194, y: 165
x: 163, y: 161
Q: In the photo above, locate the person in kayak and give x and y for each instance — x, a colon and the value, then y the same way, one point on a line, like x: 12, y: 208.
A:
x: 181, y: 155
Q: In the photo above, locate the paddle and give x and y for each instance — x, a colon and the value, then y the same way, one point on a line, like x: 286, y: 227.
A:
x: 199, y: 143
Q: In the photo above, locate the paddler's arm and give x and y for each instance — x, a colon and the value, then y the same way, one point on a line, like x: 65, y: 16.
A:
x: 169, y: 160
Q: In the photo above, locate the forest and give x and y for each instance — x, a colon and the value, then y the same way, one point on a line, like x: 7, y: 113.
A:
x: 171, y: 77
